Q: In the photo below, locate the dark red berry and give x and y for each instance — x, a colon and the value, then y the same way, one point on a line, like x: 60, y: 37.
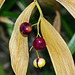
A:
x: 25, y: 28
x: 39, y: 43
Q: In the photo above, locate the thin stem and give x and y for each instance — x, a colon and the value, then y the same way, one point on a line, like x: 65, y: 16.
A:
x: 38, y: 29
x: 38, y: 6
x: 34, y: 24
x: 37, y: 53
x: 31, y: 48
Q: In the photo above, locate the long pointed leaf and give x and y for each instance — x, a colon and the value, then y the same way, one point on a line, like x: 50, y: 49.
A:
x: 59, y: 52
x: 19, y: 44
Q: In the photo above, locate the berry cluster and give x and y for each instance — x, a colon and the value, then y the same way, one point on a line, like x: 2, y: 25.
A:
x: 38, y: 44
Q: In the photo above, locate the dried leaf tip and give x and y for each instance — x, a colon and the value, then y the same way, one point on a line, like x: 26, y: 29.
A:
x: 1, y: 3
x: 18, y: 44
x: 6, y: 20
x: 69, y: 5
x: 57, y: 22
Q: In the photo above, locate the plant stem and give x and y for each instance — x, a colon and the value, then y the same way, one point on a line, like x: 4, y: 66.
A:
x: 40, y: 11
x: 41, y: 16
x: 37, y: 53
x: 31, y: 48
x: 38, y: 29
x: 34, y: 24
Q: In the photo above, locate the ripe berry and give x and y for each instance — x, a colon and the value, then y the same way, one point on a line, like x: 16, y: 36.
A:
x: 39, y: 43
x: 25, y: 28
x: 39, y: 62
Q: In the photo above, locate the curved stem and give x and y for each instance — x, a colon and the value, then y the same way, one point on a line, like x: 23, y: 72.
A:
x: 38, y: 6
x: 34, y: 24
x: 31, y: 48
x: 37, y: 53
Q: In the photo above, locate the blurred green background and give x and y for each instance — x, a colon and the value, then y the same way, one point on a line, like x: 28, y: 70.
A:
x: 11, y: 10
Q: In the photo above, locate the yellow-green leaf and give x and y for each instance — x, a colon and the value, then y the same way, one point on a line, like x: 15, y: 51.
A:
x: 1, y: 3
x: 59, y: 52
x: 18, y: 44
x: 57, y: 22
x: 69, y: 5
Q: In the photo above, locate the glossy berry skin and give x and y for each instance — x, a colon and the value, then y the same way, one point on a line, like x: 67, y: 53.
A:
x: 39, y: 43
x: 39, y: 62
x: 25, y: 28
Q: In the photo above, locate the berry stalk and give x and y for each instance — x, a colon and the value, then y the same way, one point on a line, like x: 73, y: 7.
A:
x: 37, y: 53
